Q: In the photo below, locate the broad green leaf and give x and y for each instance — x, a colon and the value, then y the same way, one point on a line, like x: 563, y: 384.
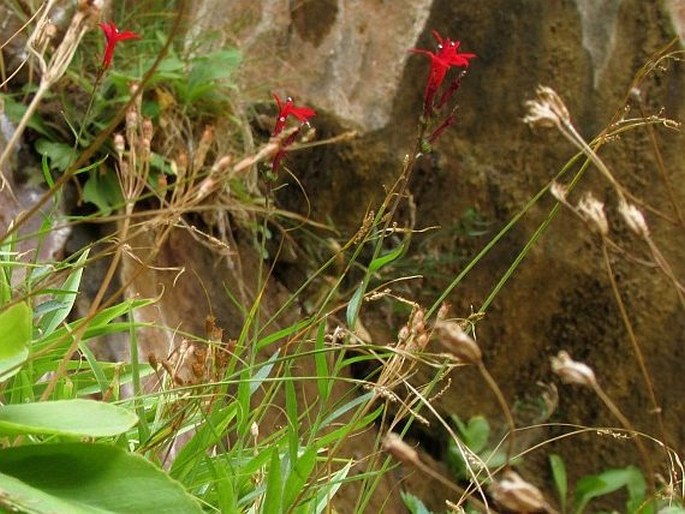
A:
x: 102, y: 190
x: 65, y: 297
x: 274, y: 486
x: 5, y: 287
x: 560, y: 478
x: 353, y: 307
x: 593, y: 486
x: 101, y: 324
x: 291, y: 412
x: 223, y: 485
x: 80, y: 418
x: 15, y: 336
x: 61, y: 155
x: 323, y: 380
x: 81, y: 478
x: 386, y: 259
x: 328, y: 491
x: 206, y: 436
x: 283, y: 333
x: 346, y: 408
x: 297, y: 477
x: 477, y: 433
x: 263, y: 372
x: 414, y: 504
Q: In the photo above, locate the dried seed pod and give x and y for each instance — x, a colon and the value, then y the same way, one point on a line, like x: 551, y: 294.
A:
x: 634, y: 218
x: 458, y: 342
x: 572, y: 372
x: 592, y: 211
x: 395, y: 446
x: 119, y: 145
x: 517, y: 495
x: 558, y: 190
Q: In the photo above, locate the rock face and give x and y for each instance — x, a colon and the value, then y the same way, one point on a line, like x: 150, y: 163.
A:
x: 350, y: 58
x: 346, y: 57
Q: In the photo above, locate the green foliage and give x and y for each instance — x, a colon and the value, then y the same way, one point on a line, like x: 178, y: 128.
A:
x: 475, y: 435
x: 74, y: 478
x: 76, y: 418
x: 414, y: 504
x: 590, y: 487
x: 15, y: 334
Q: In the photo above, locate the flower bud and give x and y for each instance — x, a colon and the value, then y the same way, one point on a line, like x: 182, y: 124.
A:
x: 572, y: 372
x: 458, y: 342
x: 517, y: 495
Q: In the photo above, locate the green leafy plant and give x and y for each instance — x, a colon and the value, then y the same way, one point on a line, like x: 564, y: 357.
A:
x: 590, y: 487
x: 475, y: 435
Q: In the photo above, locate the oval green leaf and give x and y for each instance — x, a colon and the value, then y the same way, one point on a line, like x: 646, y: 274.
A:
x: 15, y: 336
x: 80, y: 418
x: 76, y: 478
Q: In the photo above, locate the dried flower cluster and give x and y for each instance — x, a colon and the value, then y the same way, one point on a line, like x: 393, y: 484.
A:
x: 547, y: 110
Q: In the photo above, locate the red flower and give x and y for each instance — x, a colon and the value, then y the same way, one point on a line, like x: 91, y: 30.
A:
x: 284, y: 110
x: 113, y: 36
x: 446, y: 56
x: 289, y: 109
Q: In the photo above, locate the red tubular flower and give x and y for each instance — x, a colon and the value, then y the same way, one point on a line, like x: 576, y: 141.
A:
x: 446, y: 57
x: 113, y: 36
x: 289, y: 109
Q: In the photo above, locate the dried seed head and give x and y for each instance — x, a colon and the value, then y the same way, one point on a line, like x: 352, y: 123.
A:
x: 403, y: 334
x: 222, y: 164
x: 148, y: 129
x: 418, y: 325
x: 395, y: 446
x: 547, y: 110
x: 422, y: 341
x: 634, y: 218
x: 572, y: 372
x: 558, y: 191
x: 592, y: 211
x: 517, y: 495
x: 131, y: 119
x: 458, y: 342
